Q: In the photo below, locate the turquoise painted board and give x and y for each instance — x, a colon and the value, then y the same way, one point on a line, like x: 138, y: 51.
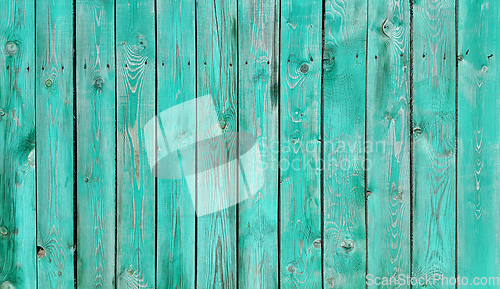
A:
x: 434, y: 139
x: 217, y: 45
x: 17, y: 146
x: 344, y: 150
x: 478, y: 140
x: 96, y: 143
x: 258, y: 64
x: 176, y: 84
x: 54, y: 140
x: 388, y: 140
x: 300, y: 149
x: 135, y: 68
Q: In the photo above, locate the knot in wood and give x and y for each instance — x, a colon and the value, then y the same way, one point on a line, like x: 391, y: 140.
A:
x: 98, y: 82
x: 7, y: 285
x: 40, y: 252
x: 304, y: 68
x: 417, y: 130
x: 291, y: 269
x: 460, y: 57
x: 48, y: 83
x: 317, y: 243
x: 347, y: 245
x: 11, y: 48
x: 2, y: 113
x: 3, y: 231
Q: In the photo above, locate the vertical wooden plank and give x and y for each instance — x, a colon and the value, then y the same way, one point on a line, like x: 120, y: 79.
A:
x: 388, y: 141
x: 300, y: 159
x: 344, y: 153
x: 136, y: 101
x: 54, y: 135
x: 434, y: 142
x: 478, y: 140
x: 17, y: 146
x: 176, y: 84
x: 217, y: 76
x: 96, y: 143
x: 258, y: 62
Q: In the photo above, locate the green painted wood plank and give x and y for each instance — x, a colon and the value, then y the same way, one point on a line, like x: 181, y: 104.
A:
x: 433, y: 121
x: 136, y: 100
x: 300, y: 159
x: 388, y: 141
x: 344, y: 128
x: 17, y: 146
x: 54, y: 137
x: 176, y: 84
x: 478, y: 140
x: 95, y: 69
x: 216, y: 76
x: 258, y: 64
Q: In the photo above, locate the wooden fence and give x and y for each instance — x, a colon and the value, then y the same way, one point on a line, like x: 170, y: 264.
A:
x: 378, y: 119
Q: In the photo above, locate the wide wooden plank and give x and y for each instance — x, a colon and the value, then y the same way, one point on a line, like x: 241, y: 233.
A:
x: 344, y: 151
x: 176, y: 84
x: 434, y: 141
x: 478, y: 141
x: 17, y: 145
x: 216, y: 24
x: 388, y: 140
x: 54, y: 137
x: 258, y: 64
x: 136, y: 101
x: 96, y: 143
x: 300, y: 137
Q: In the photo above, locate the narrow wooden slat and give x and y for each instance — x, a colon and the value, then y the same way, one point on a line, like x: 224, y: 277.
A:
x: 433, y: 121
x: 216, y: 76
x: 258, y: 63
x: 300, y: 159
x: 478, y: 140
x: 17, y: 146
x: 344, y: 128
x: 176, y: 84
x: 388, y: 141
x: 54, y: 137
x: 96, y: 141
x: 135, y: 68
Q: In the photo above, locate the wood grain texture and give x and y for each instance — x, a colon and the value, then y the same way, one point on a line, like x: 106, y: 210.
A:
x: 176, y: 84
x: 478, y: 140
x: 135, y: 67
x: 434, y: 142
x: 300, y: 157
x: 217, y: 76
x: 388, y: 141
x: 258, y: 22
x: 17, y: 146
x: 344, y: 191
x: 54, y: 138
x: 96, y: 143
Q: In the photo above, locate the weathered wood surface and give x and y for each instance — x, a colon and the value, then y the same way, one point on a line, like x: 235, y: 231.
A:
x: 54, y: 141
x: 388, y: 140
x: 217, y: 46
x: 258, y: 64
x: 311, y: 80
x: 135, y: 68
x: 478, y: 140
x: 17, y: 146
x: 96, y: 143
x: 300, y: 144
x: 434, y: 138
x: 176, y: 84
x: 344, y: 151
